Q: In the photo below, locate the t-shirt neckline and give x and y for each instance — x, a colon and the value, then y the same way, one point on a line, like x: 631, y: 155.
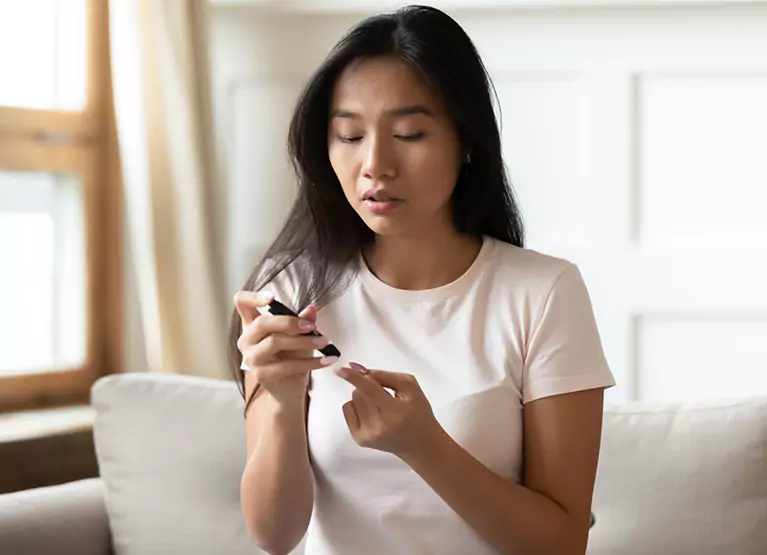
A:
x: 455, y: 287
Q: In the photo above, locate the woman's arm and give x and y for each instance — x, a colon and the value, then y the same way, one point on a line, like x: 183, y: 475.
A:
x: 549, y: 513
x: 277, y: 489
x: 277, y: 486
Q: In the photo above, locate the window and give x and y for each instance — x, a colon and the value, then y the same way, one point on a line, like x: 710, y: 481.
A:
x: 59, y: 214
x: 43, y: 45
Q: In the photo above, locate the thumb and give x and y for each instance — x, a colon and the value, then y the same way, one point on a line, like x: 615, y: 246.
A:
x: 247, y: 304
x: 309, y: 313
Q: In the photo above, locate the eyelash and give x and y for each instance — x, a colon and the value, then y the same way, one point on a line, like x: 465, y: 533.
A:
x: 406, y: 138
x: 413, y: 137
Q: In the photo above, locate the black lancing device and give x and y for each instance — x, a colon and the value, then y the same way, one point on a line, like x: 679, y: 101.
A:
x: 279, y: 309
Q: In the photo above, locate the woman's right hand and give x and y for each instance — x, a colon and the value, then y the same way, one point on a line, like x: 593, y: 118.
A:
x: 276, y: 349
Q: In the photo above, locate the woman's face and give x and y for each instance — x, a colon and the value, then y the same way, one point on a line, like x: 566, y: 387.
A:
x: 393, y: 148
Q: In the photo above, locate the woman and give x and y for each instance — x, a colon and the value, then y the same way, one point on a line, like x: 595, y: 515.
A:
x: 464, y: 414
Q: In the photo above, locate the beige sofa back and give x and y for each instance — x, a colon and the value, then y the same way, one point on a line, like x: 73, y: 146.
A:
x: 673, y: 479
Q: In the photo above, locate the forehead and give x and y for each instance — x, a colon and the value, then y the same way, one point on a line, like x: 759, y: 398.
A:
x: 380, y: 84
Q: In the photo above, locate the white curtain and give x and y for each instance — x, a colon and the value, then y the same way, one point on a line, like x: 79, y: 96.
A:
x: 160, y: 79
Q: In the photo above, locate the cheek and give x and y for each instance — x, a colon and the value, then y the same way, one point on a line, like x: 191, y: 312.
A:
x: 344, y: 167
x: 435, y: 171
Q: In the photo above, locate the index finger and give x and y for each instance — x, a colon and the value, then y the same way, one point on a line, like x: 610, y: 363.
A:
x: 367, y: 385
x: 396, y: 381
x: 247, y: 304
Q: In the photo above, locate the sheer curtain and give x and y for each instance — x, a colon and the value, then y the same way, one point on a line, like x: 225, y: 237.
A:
x: 160, y: 80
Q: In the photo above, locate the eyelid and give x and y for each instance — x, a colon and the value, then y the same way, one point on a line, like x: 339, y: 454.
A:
x: 411, y: 136
x: 349, y: 139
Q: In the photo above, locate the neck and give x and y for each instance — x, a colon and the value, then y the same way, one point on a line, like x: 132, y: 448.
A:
x: 421, y: 262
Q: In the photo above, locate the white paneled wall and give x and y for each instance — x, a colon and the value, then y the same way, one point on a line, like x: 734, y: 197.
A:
x: 544, y: 134
x: 636, y: 139
x: 673, y: 348
x: 260, y: 62
x: 703, y: 139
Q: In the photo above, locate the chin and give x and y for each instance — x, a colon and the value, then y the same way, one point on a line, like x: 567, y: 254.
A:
x: 385, y: 228
x: 399, y: 224
x: 383, y: 225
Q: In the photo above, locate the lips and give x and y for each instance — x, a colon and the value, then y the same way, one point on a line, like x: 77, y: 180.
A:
x: 382, y: 208
x: 381, y: 201
x: 380, y: 195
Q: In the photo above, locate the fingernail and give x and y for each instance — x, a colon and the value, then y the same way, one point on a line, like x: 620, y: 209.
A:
x: 321, y: 341
x: 267, y: 296
x: 358, y: 367
x: 306, y: 325
x: 327, y: 361
x: 342, y: 371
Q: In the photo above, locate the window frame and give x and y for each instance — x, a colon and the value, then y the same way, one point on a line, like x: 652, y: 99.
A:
x: 81, y: 143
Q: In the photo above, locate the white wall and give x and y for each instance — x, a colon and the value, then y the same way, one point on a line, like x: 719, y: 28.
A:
x: 635, y: 138
x: 260, y: 62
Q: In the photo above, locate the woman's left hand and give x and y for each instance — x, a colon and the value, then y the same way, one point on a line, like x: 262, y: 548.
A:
x: 400, y: 424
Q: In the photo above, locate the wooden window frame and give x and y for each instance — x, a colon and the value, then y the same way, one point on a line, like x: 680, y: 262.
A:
x: 83, y: 143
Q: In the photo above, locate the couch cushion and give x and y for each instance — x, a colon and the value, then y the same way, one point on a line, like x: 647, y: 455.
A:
x: 171, y: 451
x: 56, y: 520
x: 672, y: 479
x: 682, y: 479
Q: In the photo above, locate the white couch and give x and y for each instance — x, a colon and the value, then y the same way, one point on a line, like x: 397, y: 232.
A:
x: 673, y: 479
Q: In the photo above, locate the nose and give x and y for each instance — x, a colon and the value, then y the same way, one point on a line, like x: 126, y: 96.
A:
x: 379, y: 162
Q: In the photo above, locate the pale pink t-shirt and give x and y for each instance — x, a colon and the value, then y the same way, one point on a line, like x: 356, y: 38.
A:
x: 516, y: 327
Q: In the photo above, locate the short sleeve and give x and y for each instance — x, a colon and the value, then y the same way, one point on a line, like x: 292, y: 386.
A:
x: 565, y: 351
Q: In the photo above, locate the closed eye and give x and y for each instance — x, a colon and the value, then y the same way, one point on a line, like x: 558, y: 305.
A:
x: 413, y: 137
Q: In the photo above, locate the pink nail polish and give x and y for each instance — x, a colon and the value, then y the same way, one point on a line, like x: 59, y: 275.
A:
x: 358, y: 367
x: 342, y: 372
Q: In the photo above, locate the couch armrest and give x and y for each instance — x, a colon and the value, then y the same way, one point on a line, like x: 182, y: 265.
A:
x: 64, y: 519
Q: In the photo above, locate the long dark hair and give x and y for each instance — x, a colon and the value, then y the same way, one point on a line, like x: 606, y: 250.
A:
x: 322, y: 228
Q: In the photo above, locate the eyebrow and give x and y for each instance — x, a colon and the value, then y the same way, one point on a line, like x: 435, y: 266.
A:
x: 396, y: 112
